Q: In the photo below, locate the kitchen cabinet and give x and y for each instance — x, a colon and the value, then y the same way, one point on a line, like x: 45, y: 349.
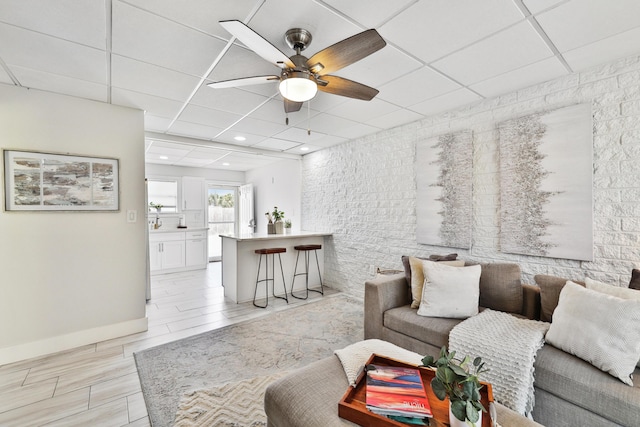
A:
x: 173, y: 251
x: 166, y: 251
x: 193, y: 193
x: 196, y: 248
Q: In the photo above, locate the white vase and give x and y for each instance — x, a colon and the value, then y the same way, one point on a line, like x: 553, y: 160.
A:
x: 454, y: 422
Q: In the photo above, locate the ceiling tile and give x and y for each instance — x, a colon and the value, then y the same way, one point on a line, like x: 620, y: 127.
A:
x: 618, y: 46
x: 432, y: 29
x: 381, y: 67
x: 445, y: 102
x: 394, y: 119
x: 4, y: 77
x: 357, y: 131
x: 322, y: 102
x: 77, y: 21
x: 307, y: 149
x: 417, y: 86
x: 243, y: 162
x: 300, y: 135
x: 194, y: 130
x: 207, y: 116
x: 577, y: 23
x: 168, y: 149
x: 151, y: 79
x: 326, y: 123
x: 207, y: 15
x: 156, y: 124
x: 275, y: 17
x: 150, y: 38
x: 153, y: 105
x: 231, y: 100
x: 508, y: 50
x: 207, y: 154
x: 276, y: 144
x: 325, y: 141
x: 528, y: 75
x: 361, y: 111
x: 250, y: 139
x: 42, y: 80
x: 536, y: 6
x: 273, y: 111
x: 370, y: 13
x: 258, y: 127
x: 41, y: 52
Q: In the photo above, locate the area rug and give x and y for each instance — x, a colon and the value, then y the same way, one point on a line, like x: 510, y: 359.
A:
x: 234, y: 404
x: 281, y: 341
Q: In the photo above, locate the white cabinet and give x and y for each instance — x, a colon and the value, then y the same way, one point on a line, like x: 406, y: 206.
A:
x: 177, y: 251
x: 193, y: 193
x: 166, y: 251
x: 196, y: 248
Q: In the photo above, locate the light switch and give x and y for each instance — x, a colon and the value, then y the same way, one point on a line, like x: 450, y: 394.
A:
x: 132, y: 216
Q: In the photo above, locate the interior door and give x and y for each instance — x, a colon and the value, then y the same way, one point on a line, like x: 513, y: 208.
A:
x: 222, y: 214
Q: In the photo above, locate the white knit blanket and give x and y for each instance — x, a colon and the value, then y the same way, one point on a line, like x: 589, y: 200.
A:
x: 508, y: 346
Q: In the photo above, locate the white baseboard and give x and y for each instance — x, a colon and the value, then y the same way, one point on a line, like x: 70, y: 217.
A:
x: 72, y: 340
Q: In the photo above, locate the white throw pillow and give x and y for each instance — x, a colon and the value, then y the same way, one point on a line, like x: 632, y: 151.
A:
x: 616, y: 291
x: 599, y: 328
x: 449, y: 291
x: 417, y: 278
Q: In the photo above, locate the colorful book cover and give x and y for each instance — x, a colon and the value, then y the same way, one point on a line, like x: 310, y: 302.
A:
x: 397, y: 391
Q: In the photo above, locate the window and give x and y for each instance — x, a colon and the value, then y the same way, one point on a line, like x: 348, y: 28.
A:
x: 163, y: 193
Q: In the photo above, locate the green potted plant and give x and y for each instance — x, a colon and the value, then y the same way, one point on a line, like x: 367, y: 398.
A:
x: 459, y: 381
x: 287, y: 226
x: 275, y: 225
x: 156, y: 206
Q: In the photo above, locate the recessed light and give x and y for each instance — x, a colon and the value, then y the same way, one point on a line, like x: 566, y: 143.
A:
x: 164, y: 158
x: 304, y: 149
x: 239, y: 138
x: 226, y: 164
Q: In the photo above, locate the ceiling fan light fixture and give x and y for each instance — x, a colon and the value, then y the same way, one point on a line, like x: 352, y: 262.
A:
x: 298, y: 86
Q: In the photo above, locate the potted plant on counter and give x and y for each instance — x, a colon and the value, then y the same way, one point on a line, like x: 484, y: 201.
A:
x: 459, y: 381
x: 156, y: 206
x: 275, y: 226
x: 287, y: 226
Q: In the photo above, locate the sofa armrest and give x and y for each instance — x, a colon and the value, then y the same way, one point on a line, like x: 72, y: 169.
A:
x: 531, y: 301
x: 381, y: 294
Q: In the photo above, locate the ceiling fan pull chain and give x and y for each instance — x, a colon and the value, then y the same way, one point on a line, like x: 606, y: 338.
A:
x: 286, y: 119
x: 309, y: 118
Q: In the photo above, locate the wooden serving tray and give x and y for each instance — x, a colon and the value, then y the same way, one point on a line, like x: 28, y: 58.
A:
x: 353, y: 405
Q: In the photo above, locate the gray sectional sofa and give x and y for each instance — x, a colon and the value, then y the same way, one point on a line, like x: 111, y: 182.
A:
x: 568, y: 390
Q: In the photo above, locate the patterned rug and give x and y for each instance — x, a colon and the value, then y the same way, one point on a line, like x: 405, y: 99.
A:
x: 278, y: 342
x: 231, y: 405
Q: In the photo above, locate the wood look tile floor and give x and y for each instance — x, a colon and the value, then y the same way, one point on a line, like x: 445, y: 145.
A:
x: 97, y: 385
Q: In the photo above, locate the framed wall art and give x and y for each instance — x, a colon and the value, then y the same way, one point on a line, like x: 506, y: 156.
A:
x: 37, y: 181
x: 444, y: 179
x: 546, y: 184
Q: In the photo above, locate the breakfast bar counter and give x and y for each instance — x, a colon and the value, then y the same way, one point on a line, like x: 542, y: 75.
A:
x: 240, y: 262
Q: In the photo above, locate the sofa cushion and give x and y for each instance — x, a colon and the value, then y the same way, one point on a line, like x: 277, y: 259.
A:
x: 599, y: 328
x: 550, y: 287
x: 580, y: 383
x: 432, y: 330
x: 450, y: 291
x: 501, y: 287
x: 417, y: 277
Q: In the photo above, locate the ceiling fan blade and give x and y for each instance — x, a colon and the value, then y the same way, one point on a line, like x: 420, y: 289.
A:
x: 257, y: 43
x: 246, y: 81
x: 345, y: 87
x: 346, y: 52
x: 291, y: 106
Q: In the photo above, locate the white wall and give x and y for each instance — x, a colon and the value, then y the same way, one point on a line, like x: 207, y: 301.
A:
x: 71, y: 278
x: 365, y: 190
x: 278, y: 185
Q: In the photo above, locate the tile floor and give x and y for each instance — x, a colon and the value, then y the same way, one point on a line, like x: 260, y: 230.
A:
x: 97, y: 385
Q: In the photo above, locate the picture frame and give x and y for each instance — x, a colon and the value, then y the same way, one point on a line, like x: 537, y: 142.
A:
x: 38, y: 181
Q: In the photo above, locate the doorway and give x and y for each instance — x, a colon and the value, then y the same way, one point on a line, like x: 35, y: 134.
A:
x: 222, y: 216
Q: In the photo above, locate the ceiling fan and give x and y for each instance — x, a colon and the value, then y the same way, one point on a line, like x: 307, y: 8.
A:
x: 301, y: 77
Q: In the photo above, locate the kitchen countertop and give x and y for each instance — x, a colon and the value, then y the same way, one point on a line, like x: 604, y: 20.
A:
x: 176, y: 229
x: 263, y: 236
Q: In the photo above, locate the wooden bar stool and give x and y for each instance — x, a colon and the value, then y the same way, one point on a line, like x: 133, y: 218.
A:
x: 306, y: 249
x: 266, y: 252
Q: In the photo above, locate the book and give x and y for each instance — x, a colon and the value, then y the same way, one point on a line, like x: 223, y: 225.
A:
x: 397, y: 392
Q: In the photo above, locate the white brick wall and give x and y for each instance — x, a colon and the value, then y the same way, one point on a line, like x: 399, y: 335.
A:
x: 365, y: 190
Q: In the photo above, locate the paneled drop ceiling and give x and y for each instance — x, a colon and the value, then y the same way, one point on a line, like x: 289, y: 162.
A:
x: 158, y: 56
